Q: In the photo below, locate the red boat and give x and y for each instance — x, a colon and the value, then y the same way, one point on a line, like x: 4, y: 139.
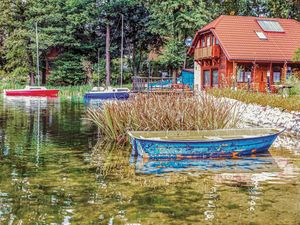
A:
x: 32, y: 91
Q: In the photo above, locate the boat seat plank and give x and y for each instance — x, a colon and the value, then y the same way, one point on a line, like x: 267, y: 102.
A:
x: 204, y: 134
x: 214, y: 138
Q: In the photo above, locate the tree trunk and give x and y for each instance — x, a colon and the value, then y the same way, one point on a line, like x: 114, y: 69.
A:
x: 134, y: 61
x: 30, y: 61
x: 107, y: 55
x: 174, y: 76
x: 138, y: 65
x: 31, y: 79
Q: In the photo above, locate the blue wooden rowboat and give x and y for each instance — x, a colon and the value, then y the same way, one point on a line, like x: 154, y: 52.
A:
x: 225, y: 143
x: 108, y: 93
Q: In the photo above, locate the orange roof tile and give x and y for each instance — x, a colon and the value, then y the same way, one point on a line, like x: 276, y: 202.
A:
x: 239, y: 41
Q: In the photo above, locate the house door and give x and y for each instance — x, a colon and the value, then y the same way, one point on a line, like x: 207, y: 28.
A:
x: 263, y: 80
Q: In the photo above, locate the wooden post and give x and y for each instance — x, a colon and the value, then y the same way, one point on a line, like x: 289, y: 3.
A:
x: 122, y: 49
x: 254, y: 76
x: 107, y: 56
x: 271, y: 76
x: 234, y: 74
x: 197, y: 76
x: 210, y: 77
x: 284, y: 72
x: 269, y: 79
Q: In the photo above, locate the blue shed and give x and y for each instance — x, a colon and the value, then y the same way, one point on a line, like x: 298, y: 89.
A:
x: 187, y: 76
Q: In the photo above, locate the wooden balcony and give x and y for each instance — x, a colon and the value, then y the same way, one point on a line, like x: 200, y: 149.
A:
x: 208, y: 52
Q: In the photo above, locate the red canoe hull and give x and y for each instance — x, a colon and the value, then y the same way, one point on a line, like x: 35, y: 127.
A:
x: 43, y: 93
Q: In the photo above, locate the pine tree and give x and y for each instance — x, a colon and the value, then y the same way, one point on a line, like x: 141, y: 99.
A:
x: 15, y: 51
x: 66, y: 26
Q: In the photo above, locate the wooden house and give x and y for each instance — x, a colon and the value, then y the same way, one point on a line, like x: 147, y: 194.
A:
x: 245, y: 52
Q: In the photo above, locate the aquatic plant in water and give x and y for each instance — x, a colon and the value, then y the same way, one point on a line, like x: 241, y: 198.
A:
x: 163, y: 112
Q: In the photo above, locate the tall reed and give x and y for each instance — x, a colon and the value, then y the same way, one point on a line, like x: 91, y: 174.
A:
x: 167, y: 112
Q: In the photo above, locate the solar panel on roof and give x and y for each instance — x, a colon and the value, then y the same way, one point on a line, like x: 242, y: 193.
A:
x: 270, y: 25
x: 261, y: 35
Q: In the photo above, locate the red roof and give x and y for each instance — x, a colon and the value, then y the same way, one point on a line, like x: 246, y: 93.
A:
x: 239, y: 41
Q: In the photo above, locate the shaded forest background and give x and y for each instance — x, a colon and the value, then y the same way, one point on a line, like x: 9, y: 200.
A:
x: 78, y: 29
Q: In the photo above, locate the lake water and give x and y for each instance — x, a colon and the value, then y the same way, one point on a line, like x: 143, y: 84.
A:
x: 53, y: 170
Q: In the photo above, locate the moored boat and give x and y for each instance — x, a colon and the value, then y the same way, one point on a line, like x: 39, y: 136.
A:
x: 108, y: 93
x: 225, y: 143
x: 32, y: 91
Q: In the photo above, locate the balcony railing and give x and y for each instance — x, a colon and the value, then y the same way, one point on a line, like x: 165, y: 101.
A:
x: 208, y: 52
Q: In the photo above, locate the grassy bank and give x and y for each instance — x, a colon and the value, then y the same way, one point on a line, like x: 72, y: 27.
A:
x: 172, y: 112
x: 10, y: 85
x: 290, y: 103
x: 72, y: 91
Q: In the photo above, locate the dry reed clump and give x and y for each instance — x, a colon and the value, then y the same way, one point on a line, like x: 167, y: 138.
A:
x: 167, y: 112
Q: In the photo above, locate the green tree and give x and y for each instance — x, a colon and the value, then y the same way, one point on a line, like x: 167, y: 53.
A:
x: 136, y: 33
x: 67, y: 70
x: 280, y: 8
x: 173, y: 56
x: 66, y: 26
x: 15, y: 53
x: 238, y: 7
x: 175, y: 20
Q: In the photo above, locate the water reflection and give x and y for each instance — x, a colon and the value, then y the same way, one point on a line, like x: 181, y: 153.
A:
x: 248, y: 164
x: 30, y: 103
x: 77, y: 180
x: 32, y: 163
x: 98, y: 103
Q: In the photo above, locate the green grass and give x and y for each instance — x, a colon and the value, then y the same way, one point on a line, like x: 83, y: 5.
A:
x: 9, y: 85
x: 72, y: 91
x: 76, y: 91
x: 290, y: 103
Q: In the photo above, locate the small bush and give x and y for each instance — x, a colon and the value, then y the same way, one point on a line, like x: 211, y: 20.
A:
x: 294, y: 81
x: 171, y: 112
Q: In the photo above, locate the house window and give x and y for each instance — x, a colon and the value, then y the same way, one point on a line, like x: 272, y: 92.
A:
x: 244, y: 75
x: 203, y: 42
x: 247, y: 76
x: 206, y: 77
x: 212, y: 41
x: 208, y: 41
x: 288, y: 72
x: 261, y: 35
x: 215, y: 78
x: 217, y: 41
x: 270, y: 25
x: 240, y: 76
x: 276, y: 77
